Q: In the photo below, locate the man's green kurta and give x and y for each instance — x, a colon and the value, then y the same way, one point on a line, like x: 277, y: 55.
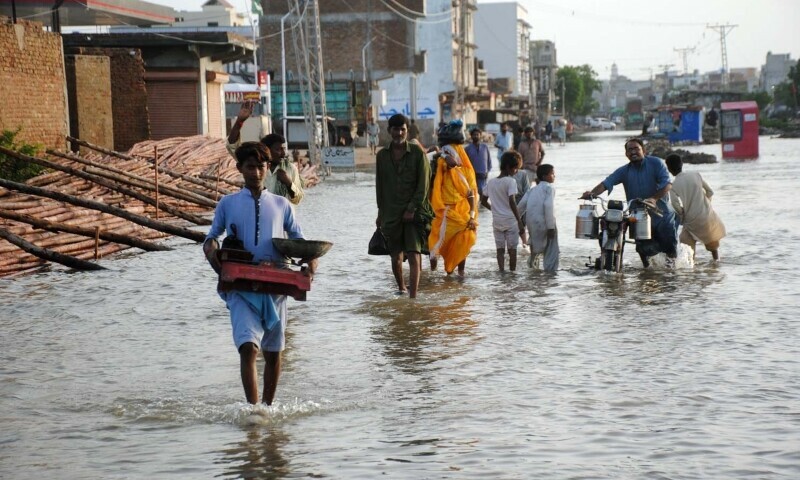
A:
x: 402, y: 186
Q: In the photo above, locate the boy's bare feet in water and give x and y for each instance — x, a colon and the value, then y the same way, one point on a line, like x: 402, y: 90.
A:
x: 434, y: 264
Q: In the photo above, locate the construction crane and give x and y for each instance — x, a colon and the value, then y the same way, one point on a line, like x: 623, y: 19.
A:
x: 310, y: 74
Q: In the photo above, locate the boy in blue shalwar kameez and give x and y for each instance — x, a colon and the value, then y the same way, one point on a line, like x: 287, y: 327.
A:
x: 255, y: 216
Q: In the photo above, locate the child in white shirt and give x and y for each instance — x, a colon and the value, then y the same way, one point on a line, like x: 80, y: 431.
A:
x: 499, y: 197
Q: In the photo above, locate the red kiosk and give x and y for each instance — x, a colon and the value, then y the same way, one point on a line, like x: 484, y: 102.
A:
x: 739, y: 129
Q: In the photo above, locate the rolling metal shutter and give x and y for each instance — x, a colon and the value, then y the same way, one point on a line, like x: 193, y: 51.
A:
x: 173, y: 109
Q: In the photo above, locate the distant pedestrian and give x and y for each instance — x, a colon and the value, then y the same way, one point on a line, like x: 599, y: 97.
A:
x: 532, y: 152
x: 500, y: 198
x: 504, y: 140
x: 691, y: 198
x: 480, y: 157
x: 372, y: 135
x: 548, y: 132
x: 538, y: 209
x: 413, y: 131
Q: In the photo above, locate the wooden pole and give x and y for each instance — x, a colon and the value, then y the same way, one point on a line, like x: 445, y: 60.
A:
x: 102, y: 207
x: 155, y: 169
x: 83, y: 231
x: 96, y: 241
x: 123, y: 156
x: 105, y: 183
x: 199, y: 182
x: 47, y: 254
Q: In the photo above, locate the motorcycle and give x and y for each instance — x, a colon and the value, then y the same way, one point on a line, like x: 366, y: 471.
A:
x: 619, y: 223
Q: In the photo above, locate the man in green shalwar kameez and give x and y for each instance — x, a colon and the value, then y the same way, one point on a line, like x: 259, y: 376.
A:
x: 402, y: 183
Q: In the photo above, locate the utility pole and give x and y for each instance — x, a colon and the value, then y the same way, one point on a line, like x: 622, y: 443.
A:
x: 665, y: 67
x: 459, y: 11
x: 684, y: 52
x: 723, y: 31
x: 310, y: 73
x: 563, y: 98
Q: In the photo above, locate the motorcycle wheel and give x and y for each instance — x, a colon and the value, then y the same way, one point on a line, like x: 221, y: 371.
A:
x: 618, y: 258
x: 607, y: 260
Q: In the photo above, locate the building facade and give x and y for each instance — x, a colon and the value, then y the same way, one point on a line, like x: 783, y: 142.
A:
x: 503, y: 36
x: 775, y: 70
x: 544, y: 66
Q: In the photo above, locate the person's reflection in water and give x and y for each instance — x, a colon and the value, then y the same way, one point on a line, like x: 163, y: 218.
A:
x: 259, y: 455
x: 415, y: 337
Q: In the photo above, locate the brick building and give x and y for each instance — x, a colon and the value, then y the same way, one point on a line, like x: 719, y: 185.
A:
x: 38, y: 107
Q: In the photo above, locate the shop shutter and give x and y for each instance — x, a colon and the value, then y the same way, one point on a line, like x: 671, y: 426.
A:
x: 173, y: 109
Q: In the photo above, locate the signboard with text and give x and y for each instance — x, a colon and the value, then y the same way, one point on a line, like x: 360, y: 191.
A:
x: 339, y: 157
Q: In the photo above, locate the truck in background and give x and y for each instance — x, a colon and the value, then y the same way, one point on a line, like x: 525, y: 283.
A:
x: 634, y: 115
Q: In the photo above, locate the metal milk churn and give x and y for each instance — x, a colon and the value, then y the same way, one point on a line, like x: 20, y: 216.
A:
x: 640, y: 225
x: 586, y: 222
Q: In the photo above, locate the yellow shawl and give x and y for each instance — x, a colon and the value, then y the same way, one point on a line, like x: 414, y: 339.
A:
x: 450, y: 236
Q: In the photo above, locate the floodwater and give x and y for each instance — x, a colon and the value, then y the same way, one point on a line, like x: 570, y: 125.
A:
x: 668, y: 374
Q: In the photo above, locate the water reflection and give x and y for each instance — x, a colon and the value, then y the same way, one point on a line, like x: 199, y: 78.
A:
x: 415, y: 335
x: 260, y: 455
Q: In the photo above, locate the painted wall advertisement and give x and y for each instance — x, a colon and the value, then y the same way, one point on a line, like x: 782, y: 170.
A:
x: 427, y: 107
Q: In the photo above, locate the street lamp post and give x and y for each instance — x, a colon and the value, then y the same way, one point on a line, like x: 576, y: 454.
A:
x: 283, y: 68
x: 563, y: 98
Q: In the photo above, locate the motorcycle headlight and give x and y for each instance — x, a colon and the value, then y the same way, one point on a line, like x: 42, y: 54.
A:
x: 614, y: 216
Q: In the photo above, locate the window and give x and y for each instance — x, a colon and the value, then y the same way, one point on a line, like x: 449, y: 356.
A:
x: 731, y: 123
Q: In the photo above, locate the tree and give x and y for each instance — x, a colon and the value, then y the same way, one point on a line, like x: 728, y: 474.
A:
x: 761, y: 98
x: 579, y: 84
x: 786, y: 93
x: 12, y: 168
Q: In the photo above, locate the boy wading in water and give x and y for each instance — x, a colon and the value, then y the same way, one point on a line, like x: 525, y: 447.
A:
x: 255, y: 216
x: 500, y: 198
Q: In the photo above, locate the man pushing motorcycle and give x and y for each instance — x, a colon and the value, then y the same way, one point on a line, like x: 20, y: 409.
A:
x: 646, y: 177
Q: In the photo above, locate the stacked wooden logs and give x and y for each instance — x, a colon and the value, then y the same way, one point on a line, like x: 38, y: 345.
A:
x: 101, y: 202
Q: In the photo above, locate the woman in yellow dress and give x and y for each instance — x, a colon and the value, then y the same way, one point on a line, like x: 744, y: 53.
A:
x: 454, y: 199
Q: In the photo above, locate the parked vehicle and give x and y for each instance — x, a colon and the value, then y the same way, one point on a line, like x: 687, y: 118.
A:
x: 602, y: 123
x: 620, y: 223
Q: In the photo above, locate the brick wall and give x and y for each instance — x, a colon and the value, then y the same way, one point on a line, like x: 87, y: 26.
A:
x: 345, y: 31
x: 89, y: 86
x: 32, y: 94
x: 128, y: 94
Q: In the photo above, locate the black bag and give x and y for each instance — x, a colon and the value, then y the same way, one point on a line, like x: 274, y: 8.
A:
x: 378, y: 244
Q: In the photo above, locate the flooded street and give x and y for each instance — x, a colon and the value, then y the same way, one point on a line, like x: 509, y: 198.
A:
x: 675, y: 374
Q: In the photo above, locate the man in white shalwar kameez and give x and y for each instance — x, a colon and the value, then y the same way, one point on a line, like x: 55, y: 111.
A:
x: 691, y: 199
x: 537, y: 207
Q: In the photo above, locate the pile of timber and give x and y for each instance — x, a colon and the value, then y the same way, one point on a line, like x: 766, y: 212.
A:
x: 101, y: 202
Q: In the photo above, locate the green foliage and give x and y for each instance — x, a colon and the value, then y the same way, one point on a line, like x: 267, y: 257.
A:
x: 761, y: 98
x: 784, y: 93
x: 12, y: 168
x: 579, y: 84
x: 777, y: 123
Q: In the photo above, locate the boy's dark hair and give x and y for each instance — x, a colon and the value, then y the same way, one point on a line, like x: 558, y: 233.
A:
x: 637, y: 140
x: 256, y: 150
x: 543, y: 170
x: 475, y: 129
x: 509, y: 159
x: 674, y: 163
x: 272, y: 139
x: 398, y: 120
x: 528, y: 129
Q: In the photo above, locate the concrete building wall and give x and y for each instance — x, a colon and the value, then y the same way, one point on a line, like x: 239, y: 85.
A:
x: 39, y: 107
x: 89, y: 83
x: 503, y: 37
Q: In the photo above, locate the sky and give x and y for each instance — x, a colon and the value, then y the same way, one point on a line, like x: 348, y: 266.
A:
x: 642, y: 35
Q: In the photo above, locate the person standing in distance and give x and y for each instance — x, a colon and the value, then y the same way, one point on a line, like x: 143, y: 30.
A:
x: 480, y: 157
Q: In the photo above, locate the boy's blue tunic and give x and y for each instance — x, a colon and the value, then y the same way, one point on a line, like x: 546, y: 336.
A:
x: 257, y: 222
